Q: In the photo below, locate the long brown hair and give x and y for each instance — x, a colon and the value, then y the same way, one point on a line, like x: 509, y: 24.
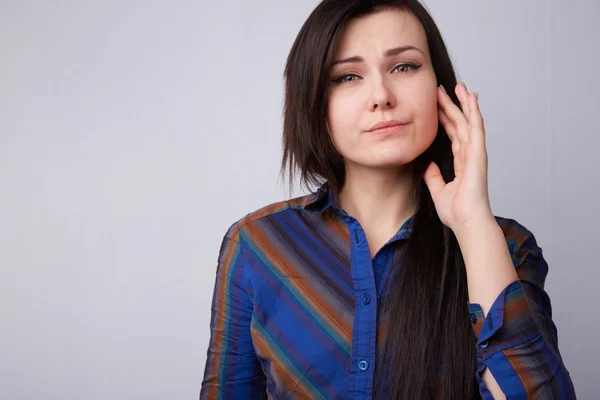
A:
x: 429, y: 349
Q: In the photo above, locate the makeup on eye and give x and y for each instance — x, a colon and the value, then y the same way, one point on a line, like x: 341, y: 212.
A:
x: 411, y: 65
x: 343, y: 78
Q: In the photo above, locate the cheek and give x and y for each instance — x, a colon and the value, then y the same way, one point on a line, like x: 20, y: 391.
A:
x: 425, y: 102
x: 343, y: 118
x: 424, y: 97
x: 427, y: 106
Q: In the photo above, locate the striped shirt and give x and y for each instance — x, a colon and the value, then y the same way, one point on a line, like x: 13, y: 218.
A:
x: 296, y: 310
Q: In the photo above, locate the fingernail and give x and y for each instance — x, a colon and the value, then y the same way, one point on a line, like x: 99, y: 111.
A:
x: 477, y: 95
x: 444, y: 90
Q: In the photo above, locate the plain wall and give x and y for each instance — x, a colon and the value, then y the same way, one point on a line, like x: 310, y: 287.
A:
x: 132, y: 134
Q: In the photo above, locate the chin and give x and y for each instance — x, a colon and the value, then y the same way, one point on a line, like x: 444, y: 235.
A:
x: 383, y: 162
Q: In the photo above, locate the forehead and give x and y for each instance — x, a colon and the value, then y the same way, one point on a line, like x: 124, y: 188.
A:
x: 380, y: 31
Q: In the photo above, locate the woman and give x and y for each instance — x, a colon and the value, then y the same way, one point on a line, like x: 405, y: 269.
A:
x: 394, y: 280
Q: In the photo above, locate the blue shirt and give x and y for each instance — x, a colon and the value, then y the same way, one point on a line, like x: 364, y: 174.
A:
x: 296, y: 310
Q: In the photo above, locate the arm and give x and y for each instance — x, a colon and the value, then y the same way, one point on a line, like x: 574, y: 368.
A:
x: 232, y: 368
x: 518, y: 355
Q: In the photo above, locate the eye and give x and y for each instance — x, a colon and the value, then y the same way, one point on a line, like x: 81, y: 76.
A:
x: 406, y: 67
x: 344, y: 78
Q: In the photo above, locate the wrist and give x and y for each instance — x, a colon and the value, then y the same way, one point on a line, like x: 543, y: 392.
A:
x: 477, y: 228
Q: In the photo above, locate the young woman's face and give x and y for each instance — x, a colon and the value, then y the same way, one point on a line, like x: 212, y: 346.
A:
x: 380, y: 81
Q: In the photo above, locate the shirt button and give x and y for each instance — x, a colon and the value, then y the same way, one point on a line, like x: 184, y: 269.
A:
x: 483, y: 345
x: 363, y: 365
x: 366, y: 299
x: 473, y: 318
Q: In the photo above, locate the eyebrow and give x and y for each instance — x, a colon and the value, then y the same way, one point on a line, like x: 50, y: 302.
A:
x: 388, y: 53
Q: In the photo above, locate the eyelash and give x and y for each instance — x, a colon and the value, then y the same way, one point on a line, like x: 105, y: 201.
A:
x: 340, y: 79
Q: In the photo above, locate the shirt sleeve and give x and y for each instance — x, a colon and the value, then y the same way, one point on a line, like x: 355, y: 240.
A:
x: 517, y: 340
x: 232, y: 369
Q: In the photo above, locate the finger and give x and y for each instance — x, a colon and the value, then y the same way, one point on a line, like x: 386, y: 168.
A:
x: 455, y: 114
x: 456, y: 147
x: 476, y: 120
x: 463, y: 97
x: 447, y: 124
x: 434, y: 180
x: 458, y: 155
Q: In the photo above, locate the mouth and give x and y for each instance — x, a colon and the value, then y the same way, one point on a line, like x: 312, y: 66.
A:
x: 387, y: 127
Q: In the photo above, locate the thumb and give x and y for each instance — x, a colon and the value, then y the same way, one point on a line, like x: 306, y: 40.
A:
x: 434, y: 180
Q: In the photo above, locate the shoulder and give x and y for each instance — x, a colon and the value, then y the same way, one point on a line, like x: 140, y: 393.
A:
x: 296, y: 204
x: 520, y: 240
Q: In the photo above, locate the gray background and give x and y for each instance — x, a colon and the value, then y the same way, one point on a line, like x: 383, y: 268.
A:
x: 133, y: 133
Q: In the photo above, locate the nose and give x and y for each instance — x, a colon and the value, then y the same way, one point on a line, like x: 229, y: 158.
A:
x: 381, y: 96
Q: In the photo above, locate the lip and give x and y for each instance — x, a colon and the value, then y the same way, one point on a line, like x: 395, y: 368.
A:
x: 387, y: 127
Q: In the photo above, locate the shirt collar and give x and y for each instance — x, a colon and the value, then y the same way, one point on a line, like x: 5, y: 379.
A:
x: 326, y: 197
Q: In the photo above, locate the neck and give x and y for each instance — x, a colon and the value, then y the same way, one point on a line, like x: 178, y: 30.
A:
x: 381, y: 200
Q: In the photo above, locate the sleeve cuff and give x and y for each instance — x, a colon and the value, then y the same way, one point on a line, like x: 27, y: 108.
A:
x: 508, y: 323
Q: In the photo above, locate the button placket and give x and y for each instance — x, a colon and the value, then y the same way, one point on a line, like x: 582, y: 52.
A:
x: 364, y: 325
